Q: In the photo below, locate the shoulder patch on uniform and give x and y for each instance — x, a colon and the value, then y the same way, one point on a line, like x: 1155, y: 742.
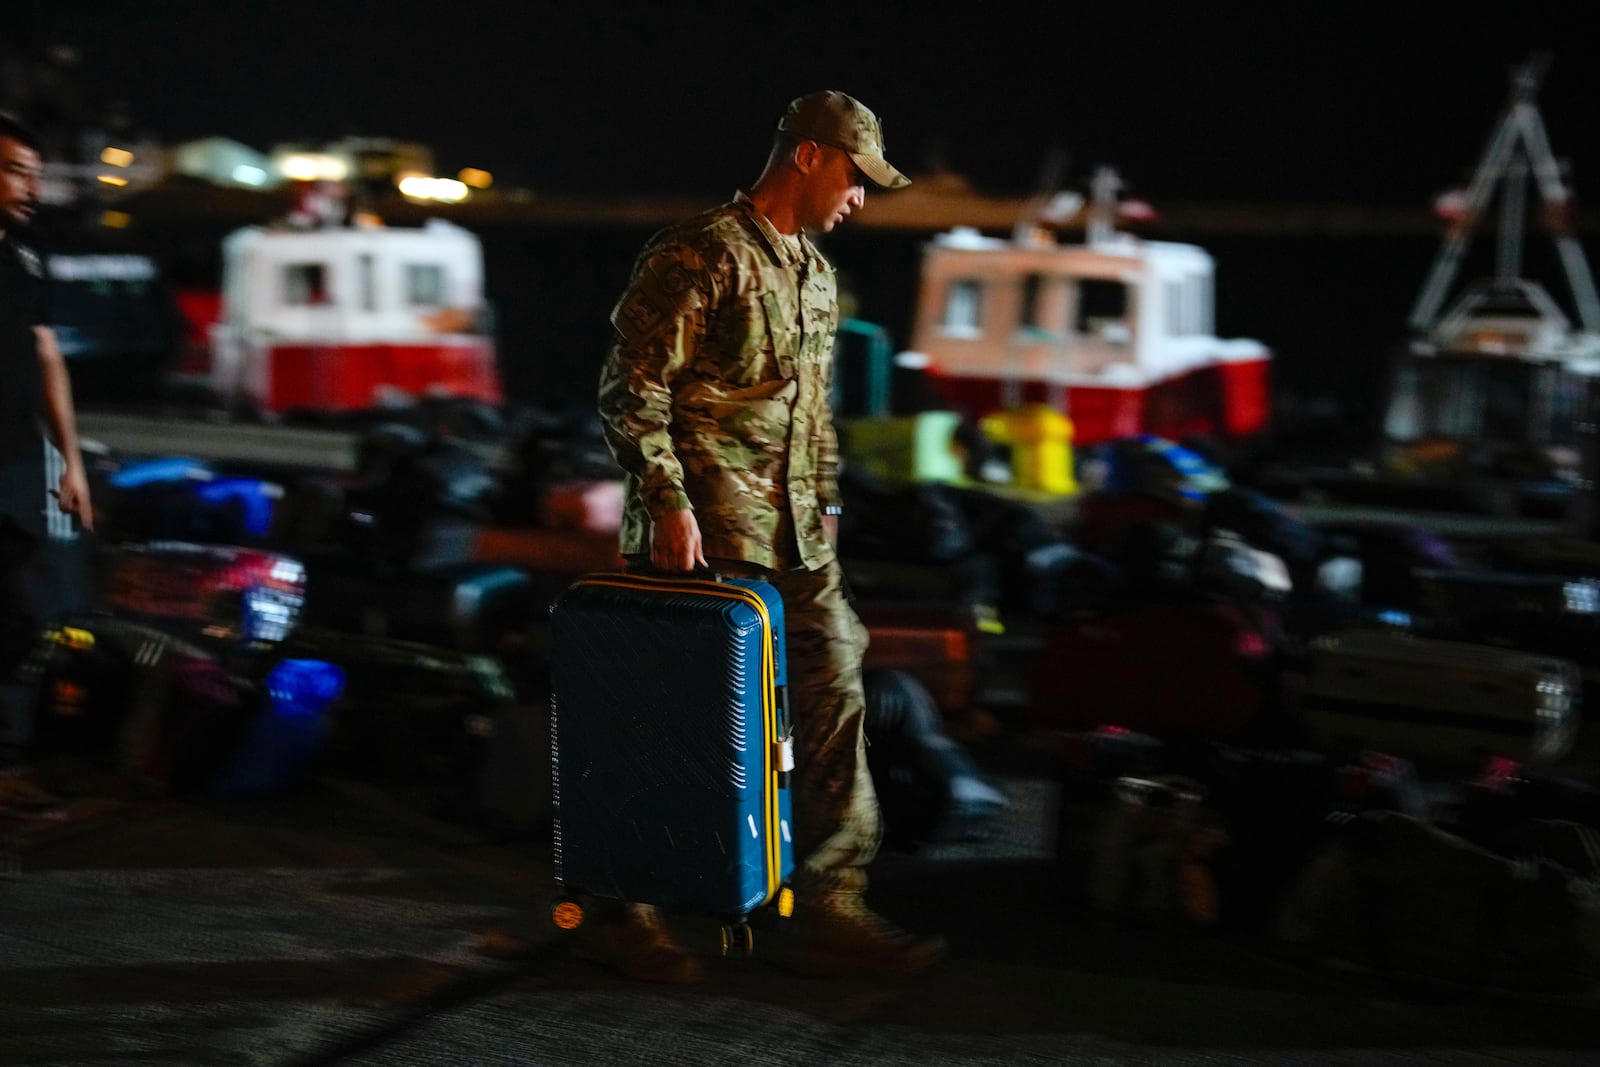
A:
x: 638, y: 315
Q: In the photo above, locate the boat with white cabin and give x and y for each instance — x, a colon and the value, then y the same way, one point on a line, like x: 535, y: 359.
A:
x: 330, y: 317
x: 1117, y: 332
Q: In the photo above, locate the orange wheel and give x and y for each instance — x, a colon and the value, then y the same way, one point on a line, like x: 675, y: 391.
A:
x: 567, y: 914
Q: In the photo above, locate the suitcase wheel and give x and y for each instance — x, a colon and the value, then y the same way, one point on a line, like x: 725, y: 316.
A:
x: 738, y: 936
x: 567, y: 914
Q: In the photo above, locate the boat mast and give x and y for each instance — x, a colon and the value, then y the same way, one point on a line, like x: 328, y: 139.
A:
x: 1102, y: 221
x: 1519, y: 127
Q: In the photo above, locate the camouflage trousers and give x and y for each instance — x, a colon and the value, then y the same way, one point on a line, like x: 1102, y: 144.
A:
x: 837, y: 827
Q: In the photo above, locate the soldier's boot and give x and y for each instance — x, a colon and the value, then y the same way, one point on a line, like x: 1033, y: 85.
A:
x: 634, y: 941
x: 839, y: 936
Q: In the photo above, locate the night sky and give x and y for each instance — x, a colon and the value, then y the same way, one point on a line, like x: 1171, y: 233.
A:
x: 1370, y: 103
x: 1334, y: 103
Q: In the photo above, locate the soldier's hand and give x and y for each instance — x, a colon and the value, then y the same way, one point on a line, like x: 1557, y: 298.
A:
x: 830, y: 529
x: 73, y: 496
x: 675, y: 542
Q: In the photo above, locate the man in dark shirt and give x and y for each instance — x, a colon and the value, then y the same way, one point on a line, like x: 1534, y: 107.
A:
x: 33, y: 385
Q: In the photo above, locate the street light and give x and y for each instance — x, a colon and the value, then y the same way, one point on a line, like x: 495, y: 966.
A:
x: 313, y: 167
x: 423, y: 187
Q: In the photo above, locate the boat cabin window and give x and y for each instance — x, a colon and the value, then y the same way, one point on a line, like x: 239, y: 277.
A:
x: 1031, y: 284
x: 305, y: 284
x: 425, y: 285
x: 963, y: 309
x: 368, y: 280
x: 1188, y: 305
x: 1485, y: 400
x: 1103, y: 309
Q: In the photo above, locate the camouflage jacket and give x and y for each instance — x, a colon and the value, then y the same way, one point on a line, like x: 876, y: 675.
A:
x: 715, y: 392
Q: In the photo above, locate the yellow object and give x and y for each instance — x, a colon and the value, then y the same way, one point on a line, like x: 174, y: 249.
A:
x: 786, y: 902
x: 1041, y: 446
x: 73, y: 638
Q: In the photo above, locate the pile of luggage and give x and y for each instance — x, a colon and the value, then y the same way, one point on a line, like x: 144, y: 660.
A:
x: 248, y: 628
x: 1310, y: 731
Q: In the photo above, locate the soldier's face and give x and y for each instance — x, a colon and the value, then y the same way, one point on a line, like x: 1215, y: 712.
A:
x: 20, y: 169
x: 836, y: 187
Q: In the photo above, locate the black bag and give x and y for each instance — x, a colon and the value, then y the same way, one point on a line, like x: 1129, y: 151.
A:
x: 929, y: 789
x: 921, y: 522
x: 215, y: 510
x: 1390, y: 553
x: 406, y: 483
x: 1153, y: 852
x: 187, y: 736
x: 1264, y: 524
x: 470, y: 606
x: 972, y: 579
x: 512, y: 792
x: 87, y: 677
x: 409, y: 713
x: 1040, y: 573
x: 1431, y: 910
x: 547, y: 449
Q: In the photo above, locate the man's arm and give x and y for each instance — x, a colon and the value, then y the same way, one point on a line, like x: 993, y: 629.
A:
x: 828, y: 496
x: 62, y: 422
x: 659, y: 322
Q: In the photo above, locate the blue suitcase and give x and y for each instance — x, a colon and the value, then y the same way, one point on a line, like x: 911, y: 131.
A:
x: 671, y: 746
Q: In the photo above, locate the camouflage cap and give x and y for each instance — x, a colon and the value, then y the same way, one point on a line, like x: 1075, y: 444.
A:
x: 833, y: 118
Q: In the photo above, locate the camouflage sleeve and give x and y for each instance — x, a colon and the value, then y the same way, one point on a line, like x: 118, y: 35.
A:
x: 659, y: 322
x: 827, y: 460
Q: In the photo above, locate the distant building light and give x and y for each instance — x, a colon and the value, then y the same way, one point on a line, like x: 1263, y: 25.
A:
x: 116, y: 157
x: 449, y: 189
x: 245, y: 174
x: 310, y: 167
x: 422, y: 187
x: 102, y: 268
x: 416, y: 186
x: 116, y: 220
x: 114, y: 179
x: 478, y: 179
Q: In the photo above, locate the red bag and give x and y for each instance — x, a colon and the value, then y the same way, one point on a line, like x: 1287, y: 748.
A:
x: 1158, y: 668
x: 594, y: 506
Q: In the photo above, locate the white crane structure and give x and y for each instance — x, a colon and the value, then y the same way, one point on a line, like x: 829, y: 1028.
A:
x: 1508, y: 314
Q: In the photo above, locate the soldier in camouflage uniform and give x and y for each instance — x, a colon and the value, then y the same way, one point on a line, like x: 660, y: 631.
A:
x: 715, y: 398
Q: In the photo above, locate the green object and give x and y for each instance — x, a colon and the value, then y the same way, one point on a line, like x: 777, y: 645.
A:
x: 862, y: 370
x: 908, y: 448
